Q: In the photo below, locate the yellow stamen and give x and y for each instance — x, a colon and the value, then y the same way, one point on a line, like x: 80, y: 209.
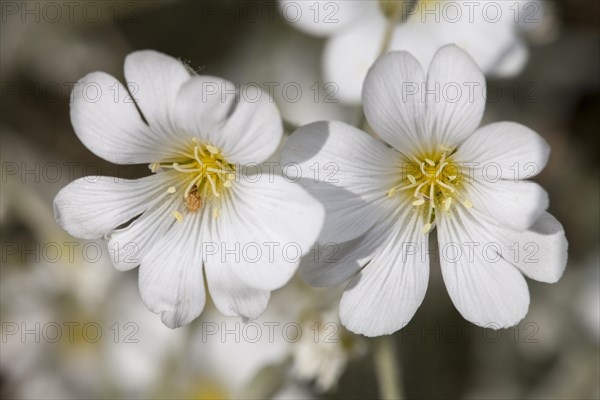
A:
x: 447, y: 203
x: 208, y: 175
x: 434, y: 183
x: 212, y: 149
x: 426, y: 228
x: 177, y: 216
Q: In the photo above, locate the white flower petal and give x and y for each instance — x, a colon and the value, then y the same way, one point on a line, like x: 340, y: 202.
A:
x: 385, y: 295
x: 544, y: 248
x: 485, y: 288
x: 422, y: 40
x: 230, y: 295
x: 489, y: 41
x: 514, y: 204
x: 90, y: 207
x: 540, y: 252
x: 203, y: 104
x: 455, y: 108
x: 324, y: 17
x: 127, y: 246
x: 246, y: 126
x: 170, y: 276
x: 265, y: 227
x: 107, y: 122
x: 512, y: 60
x: 348, y: 56
x: 154, y: 79
x: 347, y: 170
x: 392, y: 100
x: 254, y: 129
x: 334, y: 263
x: 512, y: 149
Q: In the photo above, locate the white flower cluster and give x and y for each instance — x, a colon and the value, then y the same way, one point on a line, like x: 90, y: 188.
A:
x: 392, y: 189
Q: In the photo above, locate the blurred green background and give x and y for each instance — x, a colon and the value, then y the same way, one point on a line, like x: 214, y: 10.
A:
x: 553, y: 353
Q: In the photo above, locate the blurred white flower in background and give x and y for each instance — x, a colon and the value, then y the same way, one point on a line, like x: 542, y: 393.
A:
x: 587, y: 300
x: 50, y: 290
x: 324, y: 350
x: 59, y: 262
x: 385, y: 200
x: 358, y: 31
x: 198, y: 138
x: 52, y: 46
x: 109, y: 349
x: 293, y: 77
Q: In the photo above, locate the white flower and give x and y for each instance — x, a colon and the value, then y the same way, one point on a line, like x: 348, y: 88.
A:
x: 324, y: 351
x: 383, y: 202
x: 356, y: 30
x: 200, y: 209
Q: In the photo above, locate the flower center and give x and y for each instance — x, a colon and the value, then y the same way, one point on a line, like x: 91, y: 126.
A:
x: 434, y: 181
x: 208, y: 175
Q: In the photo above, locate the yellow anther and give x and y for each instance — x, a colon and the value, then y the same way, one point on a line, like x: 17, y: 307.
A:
x: 447, y: 203
x: 216, y: 213
x: 426, y: 228
x: 212, y: 149
x: 433, y: 185
x: 153, y: 167
x: 227, y: 184
x: 177, y: 216
x: 231, y: 177
x: 171, y: 190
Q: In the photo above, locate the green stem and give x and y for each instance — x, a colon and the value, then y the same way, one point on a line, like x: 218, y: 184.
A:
x: 387, y: 368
